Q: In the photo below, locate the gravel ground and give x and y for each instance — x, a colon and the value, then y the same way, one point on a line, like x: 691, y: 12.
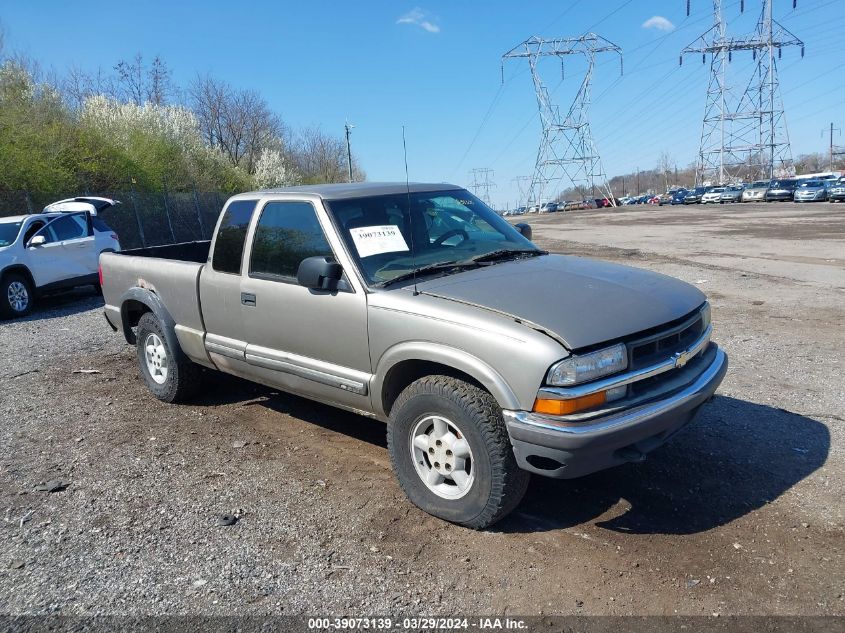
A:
x: 742, y: 513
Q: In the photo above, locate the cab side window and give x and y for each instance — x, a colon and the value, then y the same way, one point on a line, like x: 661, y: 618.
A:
x: 231, y: 236
x: 287, y: 233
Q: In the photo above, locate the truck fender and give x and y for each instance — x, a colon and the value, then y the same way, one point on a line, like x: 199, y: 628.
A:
x: 153, y: 302
x: 447, y: 356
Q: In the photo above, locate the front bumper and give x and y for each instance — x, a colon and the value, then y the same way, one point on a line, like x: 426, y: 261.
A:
x: 780, y: 196
x: 566, y: 452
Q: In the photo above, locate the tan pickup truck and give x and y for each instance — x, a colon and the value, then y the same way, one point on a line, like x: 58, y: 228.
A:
x: 488, y: 358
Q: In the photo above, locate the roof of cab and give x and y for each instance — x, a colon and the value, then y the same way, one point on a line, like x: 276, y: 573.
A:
x: 340, y: 191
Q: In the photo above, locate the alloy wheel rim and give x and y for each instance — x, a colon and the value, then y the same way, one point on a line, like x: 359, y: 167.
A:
x: 156, y: 356
x: 442, y: 457
x: 17, y: 296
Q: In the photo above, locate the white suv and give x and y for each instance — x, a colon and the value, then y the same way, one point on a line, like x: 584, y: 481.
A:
x: 54, y: 250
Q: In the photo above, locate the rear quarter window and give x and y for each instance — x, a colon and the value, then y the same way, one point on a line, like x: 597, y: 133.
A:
x: 231, y: 236
x: 99, y: 225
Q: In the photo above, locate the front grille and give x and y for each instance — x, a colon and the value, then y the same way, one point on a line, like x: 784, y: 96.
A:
x: 660, y: 346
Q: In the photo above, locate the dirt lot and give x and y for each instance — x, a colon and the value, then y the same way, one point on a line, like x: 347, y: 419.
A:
x: 740, y: 514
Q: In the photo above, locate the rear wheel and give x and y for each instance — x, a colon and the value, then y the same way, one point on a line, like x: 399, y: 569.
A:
x: 15, y: 296
x: 451, y: 453
x: 169, y: 374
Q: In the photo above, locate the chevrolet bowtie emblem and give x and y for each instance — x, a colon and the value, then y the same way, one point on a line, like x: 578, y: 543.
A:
x: 682, y: 358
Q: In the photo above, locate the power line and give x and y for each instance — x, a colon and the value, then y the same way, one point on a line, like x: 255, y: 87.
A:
x: 480, y: 127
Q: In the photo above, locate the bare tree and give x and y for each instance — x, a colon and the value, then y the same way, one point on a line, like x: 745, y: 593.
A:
x: 238, y: 122
x: 130, y: 79
x: 139, y: 84
x: 159, y: 84
x: 78, y: 85
x: 811, y: 163
x: 321, y: 157
x: 664, y: 166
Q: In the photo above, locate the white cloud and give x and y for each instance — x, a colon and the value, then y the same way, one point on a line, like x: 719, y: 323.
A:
x: 658, y: 22
x: 419, y: 18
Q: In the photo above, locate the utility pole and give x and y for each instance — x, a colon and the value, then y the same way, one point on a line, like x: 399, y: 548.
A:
x: 743, y: 130
x: 348, y: 127
x: 833, y: 152
x: 567, y: 153
x: 482, y: 184
x: 638, y: 181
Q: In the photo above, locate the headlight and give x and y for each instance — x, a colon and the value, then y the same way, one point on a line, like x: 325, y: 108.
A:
x: 577, y: 369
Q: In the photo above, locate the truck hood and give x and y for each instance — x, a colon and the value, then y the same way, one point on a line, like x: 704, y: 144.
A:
x: 579, y: 301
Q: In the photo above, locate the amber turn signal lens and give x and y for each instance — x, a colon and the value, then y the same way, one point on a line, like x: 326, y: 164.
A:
x: 565, y: 407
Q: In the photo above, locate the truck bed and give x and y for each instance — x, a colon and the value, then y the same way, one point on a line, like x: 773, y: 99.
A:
x: 184, y: 252
x: 170, y: 272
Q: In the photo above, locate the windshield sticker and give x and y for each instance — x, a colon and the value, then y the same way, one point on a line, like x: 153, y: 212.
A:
x: 374, y: 240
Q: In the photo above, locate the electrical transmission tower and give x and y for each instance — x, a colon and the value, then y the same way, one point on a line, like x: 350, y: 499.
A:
x: 522, y: 184
x: 743, y: 134
x: 482, y: 183
x: 567, y: 152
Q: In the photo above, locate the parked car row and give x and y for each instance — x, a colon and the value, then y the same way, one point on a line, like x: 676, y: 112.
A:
x: 565, y: 205
x: 781, y: 190
x: 830, y: 188
x: 56, y: 249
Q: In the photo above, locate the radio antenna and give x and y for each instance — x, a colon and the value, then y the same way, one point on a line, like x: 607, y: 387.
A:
x: 410, y: 213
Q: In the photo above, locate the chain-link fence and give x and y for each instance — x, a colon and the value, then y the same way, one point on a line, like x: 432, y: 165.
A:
x: 143, y: 219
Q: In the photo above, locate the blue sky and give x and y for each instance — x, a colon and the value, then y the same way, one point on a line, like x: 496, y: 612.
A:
x: 434, y: 66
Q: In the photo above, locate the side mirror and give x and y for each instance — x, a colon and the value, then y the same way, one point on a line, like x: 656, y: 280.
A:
x: 524, y: 229
x: 38, y: 240
x: 319, y: 273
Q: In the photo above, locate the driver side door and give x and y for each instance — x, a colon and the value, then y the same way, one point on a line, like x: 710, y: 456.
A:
x: 307, y: 341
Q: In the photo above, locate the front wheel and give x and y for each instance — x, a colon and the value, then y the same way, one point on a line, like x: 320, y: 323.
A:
x: 451, y: 453
x: 15, y: 296
x: 168, y: 373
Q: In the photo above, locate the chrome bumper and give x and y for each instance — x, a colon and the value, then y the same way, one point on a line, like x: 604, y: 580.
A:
x: 545, y: 446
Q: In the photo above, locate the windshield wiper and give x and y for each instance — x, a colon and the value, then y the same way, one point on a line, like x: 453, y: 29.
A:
x: 427, y: 270
x: 507, y: 253
x: 474, y: 262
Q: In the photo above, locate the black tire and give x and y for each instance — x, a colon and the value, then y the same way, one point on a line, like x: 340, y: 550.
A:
x: 13, y: 284
x: 498, y: 484
x: 182, y: 378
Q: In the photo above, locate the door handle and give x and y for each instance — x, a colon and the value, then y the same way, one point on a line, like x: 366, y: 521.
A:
x: 248, y: 299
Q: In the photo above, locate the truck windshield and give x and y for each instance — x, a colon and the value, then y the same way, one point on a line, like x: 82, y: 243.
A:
x: 390, y: 236
x: 9, y: 232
